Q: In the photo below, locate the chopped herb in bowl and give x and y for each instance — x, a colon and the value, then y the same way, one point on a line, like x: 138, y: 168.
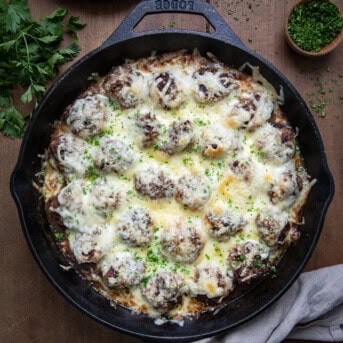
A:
x: 313, y: 25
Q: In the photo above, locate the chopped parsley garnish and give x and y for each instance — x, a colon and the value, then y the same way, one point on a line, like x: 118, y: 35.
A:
x: 59, y: 235
x: 273, y: 269
x: 221, y: 164
x: 187, y: 162
x: 217, y: 250
x: 200, y: 122
x: 152, y: 257
x: 145, y: 280
x: 92, y: 175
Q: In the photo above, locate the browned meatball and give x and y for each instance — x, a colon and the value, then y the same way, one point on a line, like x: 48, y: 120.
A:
x: 217, y: 141
x: 270, y: 225
x: 105, y: 197
x: 211, y: 281
x: 87, y: 116
x: 192, y: 191
x: 286, y: 187
x: 67, y: 154
x: 154, y: 183
x: 91, y: 247
x: 135, y: 228
x: 214, y: 83
x: 223, y: 226
x: 242, y: 169
x: 164, y: 89
x: 180, y: 137
x: 248, y: 260
x: 124, y: 85
x: 252, y: 109
x: 181, y: 243
x: 121, y: 270
x: 164, y: 291
x: 114, y: 155
x: 276, y: 143
x: 150, y: 127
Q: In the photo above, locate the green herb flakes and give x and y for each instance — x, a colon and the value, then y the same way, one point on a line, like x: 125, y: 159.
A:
x: 145, y: 280
x: 188, y: 161
x: 59, y: 235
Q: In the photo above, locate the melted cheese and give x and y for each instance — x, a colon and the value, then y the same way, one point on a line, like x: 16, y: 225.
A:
x: 223, y: 132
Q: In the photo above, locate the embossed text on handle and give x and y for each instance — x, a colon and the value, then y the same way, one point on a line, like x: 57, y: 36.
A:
x: 174, y: 5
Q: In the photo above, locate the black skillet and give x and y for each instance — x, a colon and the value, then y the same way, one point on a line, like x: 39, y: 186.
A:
x: 125, y: 43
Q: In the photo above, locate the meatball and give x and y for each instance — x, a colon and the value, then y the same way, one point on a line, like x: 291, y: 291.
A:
x: 270, y: 225
x: 154, y: 183
x: 87, y: 116
x: 213, y: 83
x: 225, y: 225
x: 114, y: 155
x: 180, y: 137
x: 122, y: 270
x: 91, y: 247
x: 181, y: 242
x: 105, y: 198
x: 251, y: 110
x: 289, y: 234
x: 286, y: 187
x: 164, y: 291
x: 135, y: 228
x: 211, y: 281
x: 165, y: 90
x: 125, y: 85
x: 242, y: 169
x: 248, y: 260
x: 192, y: 191
x: 276, y: 144
x: 216, y: 141
x: 74, y: 207
x: 150, y: 127
x: 67, y: 154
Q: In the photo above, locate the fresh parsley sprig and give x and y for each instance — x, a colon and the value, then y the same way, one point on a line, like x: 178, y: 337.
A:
x: 29, y: 57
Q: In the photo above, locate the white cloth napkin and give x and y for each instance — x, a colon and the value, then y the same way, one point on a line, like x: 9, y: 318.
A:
x: 312, y: 309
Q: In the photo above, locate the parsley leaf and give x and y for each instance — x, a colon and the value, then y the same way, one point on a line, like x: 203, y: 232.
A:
x: 13, y: 13
x: 73, y: 26
x: 29, y: 57
x: 12, y: 122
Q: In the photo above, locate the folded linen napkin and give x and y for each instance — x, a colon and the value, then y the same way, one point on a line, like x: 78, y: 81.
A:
x: 311, y: 309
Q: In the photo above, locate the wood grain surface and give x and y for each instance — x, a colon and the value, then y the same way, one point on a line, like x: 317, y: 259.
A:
x: 31, y: 309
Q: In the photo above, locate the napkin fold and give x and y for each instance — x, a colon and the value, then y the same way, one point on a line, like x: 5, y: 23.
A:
x: 312, y: 309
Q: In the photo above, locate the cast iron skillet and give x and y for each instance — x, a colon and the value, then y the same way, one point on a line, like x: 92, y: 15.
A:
x: 125, y: 43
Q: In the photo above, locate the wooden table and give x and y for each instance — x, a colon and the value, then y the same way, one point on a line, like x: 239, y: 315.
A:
x: 31, y: 309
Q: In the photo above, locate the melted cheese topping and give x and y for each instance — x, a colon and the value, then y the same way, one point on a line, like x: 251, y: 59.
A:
x: 181, y: 149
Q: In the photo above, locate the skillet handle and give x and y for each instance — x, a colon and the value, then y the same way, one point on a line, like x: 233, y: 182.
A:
x: 126, y: 29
